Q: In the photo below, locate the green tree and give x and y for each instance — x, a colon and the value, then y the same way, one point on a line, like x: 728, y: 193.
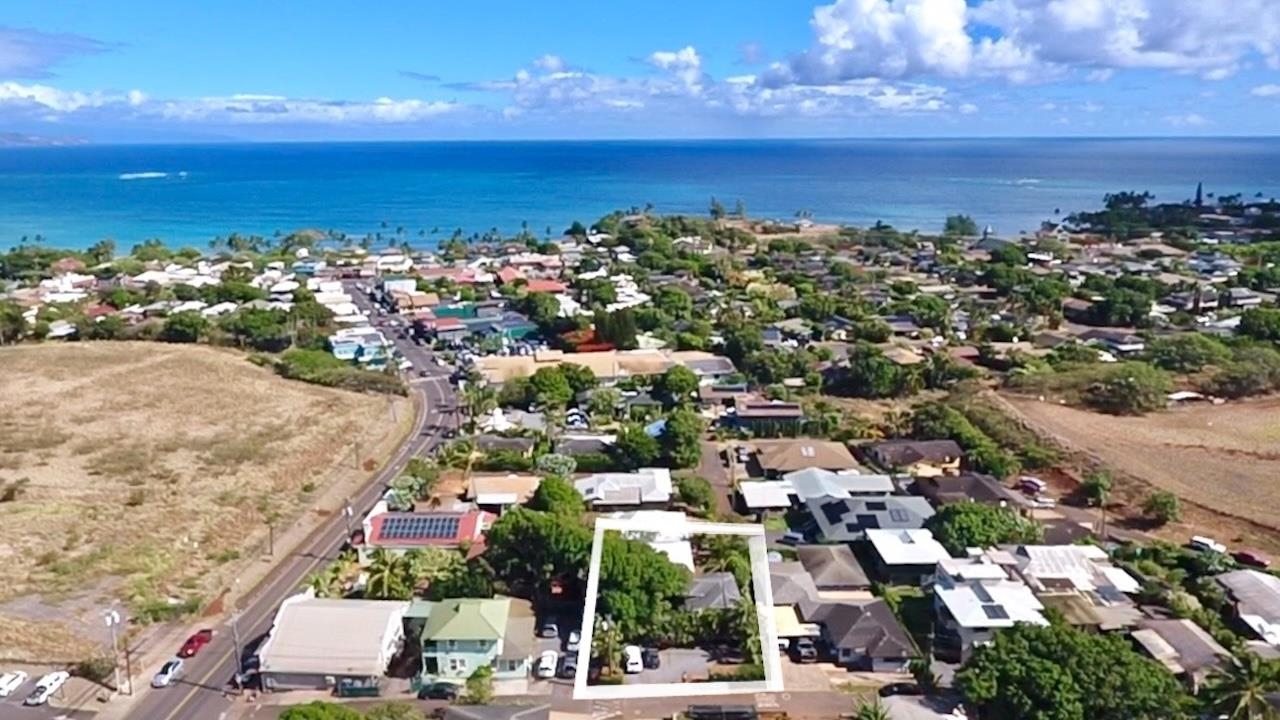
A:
x: 1131, y: 388
x: 12, y: 324
x: 716, y: 209
x: 677, y: 385
x: 579, y: 377
x: 604, y: 401
x: 1261, y: 324
x: 479, y: 687
x: 725, y: 553
x: 635, y: 448
x: 557, y: 495
x: 1029, y: 672
x: 530, y: 547
x: 258, y: 328
x: 389, y: 577
x: 674, y: 303
x: 960, y: 225
x: 964, y: 525
x: 550, y: 388
x: 1163, y: 507
x: 185, y: 327
x: 1096, y: 487
x: 681, y: 438
x: 1240, y: 691
x: 556, y: 465
x: 1187, y: 353
x: 472, y: 579
x: 696, y: 493
x: 637, y: 584
x: 541, y: 308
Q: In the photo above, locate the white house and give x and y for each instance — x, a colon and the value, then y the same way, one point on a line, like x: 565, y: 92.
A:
x: 976, y: 595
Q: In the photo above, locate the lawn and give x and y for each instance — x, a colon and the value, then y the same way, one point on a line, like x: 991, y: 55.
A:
x: 143, y: 472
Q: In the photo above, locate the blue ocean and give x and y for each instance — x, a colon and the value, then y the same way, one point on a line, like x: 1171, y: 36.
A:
x: 188, y: 194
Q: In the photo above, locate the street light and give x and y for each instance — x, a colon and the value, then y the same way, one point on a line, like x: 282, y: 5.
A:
x: 112, y: 619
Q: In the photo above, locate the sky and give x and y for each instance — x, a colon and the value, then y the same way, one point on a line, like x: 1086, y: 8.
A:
x: 235, y: 70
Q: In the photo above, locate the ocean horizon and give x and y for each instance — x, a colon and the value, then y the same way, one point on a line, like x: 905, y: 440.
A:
x: 188, y: 194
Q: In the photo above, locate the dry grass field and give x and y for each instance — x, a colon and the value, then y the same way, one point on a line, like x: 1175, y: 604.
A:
x: 142, y: 472
x: 1224, y: 458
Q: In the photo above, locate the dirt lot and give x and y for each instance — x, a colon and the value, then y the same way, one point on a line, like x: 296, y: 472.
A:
x: 1224, y: 459
x: 145, y: 473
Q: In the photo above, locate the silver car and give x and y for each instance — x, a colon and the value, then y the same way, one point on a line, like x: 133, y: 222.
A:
x: 171, y: 671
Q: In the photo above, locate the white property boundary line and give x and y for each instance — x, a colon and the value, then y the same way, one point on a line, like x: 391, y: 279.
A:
x: 763, y: 592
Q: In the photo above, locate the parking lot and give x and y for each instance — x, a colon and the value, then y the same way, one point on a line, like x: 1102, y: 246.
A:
x: 677, y: 665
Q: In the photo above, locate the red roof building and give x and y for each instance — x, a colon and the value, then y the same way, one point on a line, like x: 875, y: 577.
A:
x: 545, y: 286
x: 508, y: 275
x: 408, y: 530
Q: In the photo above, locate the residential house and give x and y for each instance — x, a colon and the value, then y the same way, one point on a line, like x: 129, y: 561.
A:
x: 463, y: 634
x: 833, y: 568
x: 973, y: 597
x: 763, y: 496
x: 1255, y: 600
x: 792, y: 585
x: 779, y: 457
x: 401, y: 532
x: 846, y: 520
x: 1238, y: 297
x: 766, y: 417
x: 814, y: 482
x: 865, y: 636
x: 489, y: 443
x: 1080, y: 582
x: 968, y: 487
x: 1197, y: 300
x: 672, y: 540
x: 1119, y: 342
x: 584, y: 444
x: 906, y: 556
x: 1184, y: 648
x: 497, y: 493
x: 315, y: 643
x: 646, y: 487
x: 920, y: 458
x: 712, y: 591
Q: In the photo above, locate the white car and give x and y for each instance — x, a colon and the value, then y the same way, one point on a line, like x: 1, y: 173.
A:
x: 632, y: 663
x: 571, y: 645
x: 10, y: 682
x: 547, y: 662
x: 171, y: 671
x: 46, y: 687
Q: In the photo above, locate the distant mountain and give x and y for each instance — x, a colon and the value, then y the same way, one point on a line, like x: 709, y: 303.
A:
x: 11, y: 139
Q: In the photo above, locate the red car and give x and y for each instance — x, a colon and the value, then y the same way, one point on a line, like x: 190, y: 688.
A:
x: 195, y: 642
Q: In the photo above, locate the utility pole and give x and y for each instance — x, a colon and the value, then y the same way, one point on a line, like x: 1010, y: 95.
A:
x: 347, y: 514
x: 112, y: 619
x: 235, y: 639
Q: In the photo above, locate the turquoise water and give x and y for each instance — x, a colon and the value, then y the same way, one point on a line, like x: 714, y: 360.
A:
x: 189, y: 194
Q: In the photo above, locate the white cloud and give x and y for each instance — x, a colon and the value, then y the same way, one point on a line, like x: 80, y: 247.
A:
x: 51, y: 103
x: 1269, y: 90
x: 684, y: 64
x: 1090, y: 107
x: 968, y: 108
x: 550, y: 63
x: 1187, y: 120
x: 1027, y: 40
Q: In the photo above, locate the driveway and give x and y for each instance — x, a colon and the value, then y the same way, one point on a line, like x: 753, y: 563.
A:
x: 912, y: 707
x: 712, y: 469
x: 676, y: 664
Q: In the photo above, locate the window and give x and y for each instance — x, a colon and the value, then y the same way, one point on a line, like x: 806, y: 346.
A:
x: 451, y: 644
x: 457, y: 665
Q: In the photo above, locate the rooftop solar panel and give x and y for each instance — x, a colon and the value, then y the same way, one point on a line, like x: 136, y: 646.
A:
x: 899, y: 515
x: 431, y: 527
x: 996, y: 612
x: 876, y: 506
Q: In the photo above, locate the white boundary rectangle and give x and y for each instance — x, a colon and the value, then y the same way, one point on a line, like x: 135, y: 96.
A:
x: 762, y: 590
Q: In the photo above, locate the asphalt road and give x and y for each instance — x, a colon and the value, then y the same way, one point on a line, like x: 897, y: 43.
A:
x: 200, y: 694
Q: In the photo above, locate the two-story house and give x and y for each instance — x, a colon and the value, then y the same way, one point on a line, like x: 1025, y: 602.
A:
x: 463, y: 634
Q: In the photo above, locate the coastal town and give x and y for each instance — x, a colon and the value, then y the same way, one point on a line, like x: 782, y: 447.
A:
x: 968, y: 454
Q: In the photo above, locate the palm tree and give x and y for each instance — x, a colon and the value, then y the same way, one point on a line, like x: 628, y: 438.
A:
x: 895, y: 423
x: 1240, y: 691
x: 479, y: 399
x: 387, y: 577
x: 606, y: 644
x: 747, y: 626
x: 872, y: 710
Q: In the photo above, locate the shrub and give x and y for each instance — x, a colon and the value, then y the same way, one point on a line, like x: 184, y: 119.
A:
x: 1163, y: 507
x: 321, y: 368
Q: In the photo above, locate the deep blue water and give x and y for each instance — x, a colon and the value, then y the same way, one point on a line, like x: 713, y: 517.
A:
x: 75, y: 196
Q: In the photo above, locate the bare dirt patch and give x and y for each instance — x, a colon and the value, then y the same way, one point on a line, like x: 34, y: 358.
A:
x: 1224, y: 459
x: 145, y: 472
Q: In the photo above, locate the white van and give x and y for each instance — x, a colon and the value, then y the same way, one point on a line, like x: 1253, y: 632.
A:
x: 632, y: 663
x: 1206, y: 544
x: 1031, y: 485
x: 547, y: 664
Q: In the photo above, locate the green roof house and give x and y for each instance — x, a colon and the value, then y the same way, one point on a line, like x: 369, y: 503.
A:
x: 462, y: 634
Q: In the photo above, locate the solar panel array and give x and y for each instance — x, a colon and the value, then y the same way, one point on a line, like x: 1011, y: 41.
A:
x: 996, y: 612
x: 899, y: 515
x: 430, y: 527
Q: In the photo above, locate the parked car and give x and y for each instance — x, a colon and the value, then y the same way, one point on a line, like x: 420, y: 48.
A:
x: 46, y: 687
x: 652, y: 660
x: 571, y: 645
x: 439, y: 691
x: 546, y: 667
x: 171, y: 671
x: 804, y: 650
x: 632, y: 663
x: 902, y: 688
x: 791, y: 537
x: 1043, y: 501
x: 1251, y: 558
x: 1032, y: 486
x: 1206, y: 544
x: 568, y: 666
x: 10, y: 682
x: 549, y: 629
x: 195, y: 642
